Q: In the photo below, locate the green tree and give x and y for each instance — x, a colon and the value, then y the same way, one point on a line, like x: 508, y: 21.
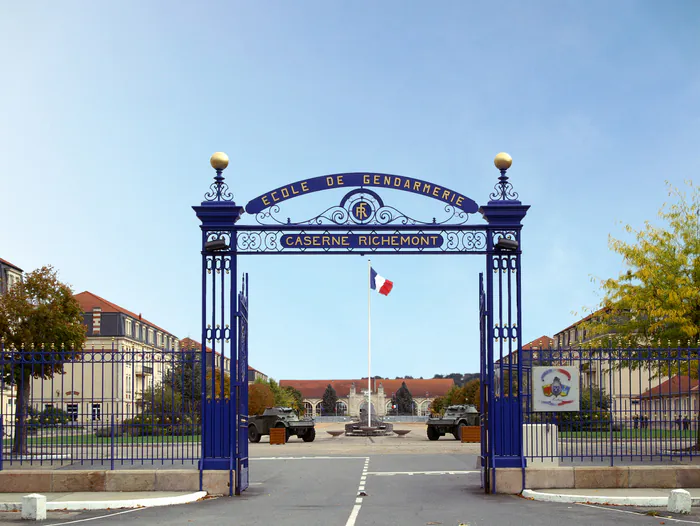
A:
x: 38, y: 314
x: 404, y: 400
x: 657, y: 297
x: 330, y: 398
x: 185, y: 378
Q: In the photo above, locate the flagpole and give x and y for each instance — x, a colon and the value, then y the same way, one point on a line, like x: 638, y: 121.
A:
x: 369, y: 345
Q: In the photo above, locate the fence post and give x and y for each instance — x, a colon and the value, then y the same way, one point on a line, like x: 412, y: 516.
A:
x: 2, y: 440
x: 111, y: 432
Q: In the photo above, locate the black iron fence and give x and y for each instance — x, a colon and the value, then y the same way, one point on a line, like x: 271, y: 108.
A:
x: 609, y: 405
x: 108, y: 406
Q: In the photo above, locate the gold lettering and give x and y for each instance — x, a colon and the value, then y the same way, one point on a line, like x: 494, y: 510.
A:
x: 460, y: 200
x: 415, y: 241
x: 265, y: 200
x: 362, y: 240
x: 407, y: 184
x: 345, y: 241
x: 340, y: 180
x: 275, y: 199
x: 285, y: 192
x: 436, y: 191
x: 288, y: 241
x: 452, y: 199
x: 307, y: 241
x: 317, y: 241
x: 426, y: 188
x: 397, y: 182
x: 304, y: 186
x: 434, y: 240
x: 424, y: 240
x: 294, y: 190
x: 416, y: 186
x: 361, y: 212
x: 377, y: 181
x: 405, y: 240
x: 445, y: 194
x: 374, y: 241
x: 329, y: 181
x: 394, y: 241
x: 387, y: 180
x: 365, y: 179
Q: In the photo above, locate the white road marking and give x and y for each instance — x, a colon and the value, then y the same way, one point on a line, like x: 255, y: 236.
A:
x: 391, y: 473
x: 353, y: 515
x: 658, y: 517
x: 305, y: 458
x: 100, y: 517
x: 358, y: 500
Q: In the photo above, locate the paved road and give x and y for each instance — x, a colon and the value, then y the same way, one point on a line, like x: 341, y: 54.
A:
x: 410, y: 489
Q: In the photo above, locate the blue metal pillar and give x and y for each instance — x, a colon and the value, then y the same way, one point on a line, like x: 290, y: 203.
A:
x: 503, y: 327
x: 218, y: 214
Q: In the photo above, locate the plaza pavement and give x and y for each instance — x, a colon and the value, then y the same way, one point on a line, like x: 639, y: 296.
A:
x: 357, y: 481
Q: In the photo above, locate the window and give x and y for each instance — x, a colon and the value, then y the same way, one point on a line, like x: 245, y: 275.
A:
x: 127, y: 328
x: 72, y: 410
x: 96, y: 411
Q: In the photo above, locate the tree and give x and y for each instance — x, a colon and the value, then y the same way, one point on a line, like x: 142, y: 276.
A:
x: 260, y: 397
x: 330, y: 398
x: 658, y: 296
x: 404, y: 400
x: 185, y: 378
x: 472, y: 391
x: 42, y: 314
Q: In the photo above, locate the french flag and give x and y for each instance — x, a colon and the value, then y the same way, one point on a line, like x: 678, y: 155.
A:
x: 380, y: 284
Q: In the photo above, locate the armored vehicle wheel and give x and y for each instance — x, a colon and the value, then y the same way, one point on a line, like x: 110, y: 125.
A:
x: 457, y: 433
x: 433, y: 434
x: 309, y: 435
x: 253, y: 434
x: 286, y: 433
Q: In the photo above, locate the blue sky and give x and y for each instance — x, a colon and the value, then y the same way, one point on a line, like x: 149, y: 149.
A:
x: 110, y: 111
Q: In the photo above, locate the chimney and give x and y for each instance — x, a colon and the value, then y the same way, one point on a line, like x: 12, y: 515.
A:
x: 96, y: 320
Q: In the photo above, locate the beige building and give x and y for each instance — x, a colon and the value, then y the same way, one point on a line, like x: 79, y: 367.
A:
x: 352, y: 394
x: 188, y: 344
x: 125, y: 354
x: 608, y: 370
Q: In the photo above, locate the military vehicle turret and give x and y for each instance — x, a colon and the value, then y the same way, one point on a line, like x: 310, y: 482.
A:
x: 455, y: 416
x: 259, y: 425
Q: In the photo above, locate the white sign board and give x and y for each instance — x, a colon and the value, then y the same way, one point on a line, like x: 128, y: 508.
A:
x: 555, y: 389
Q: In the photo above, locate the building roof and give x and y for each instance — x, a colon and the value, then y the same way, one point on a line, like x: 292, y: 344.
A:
x: 582, y: 320
x: 677, y: 385
x: 418, y: 388
x: 189, y: 344
x: 7, y: 263
x: 88, y: 301
x: 543, y: 342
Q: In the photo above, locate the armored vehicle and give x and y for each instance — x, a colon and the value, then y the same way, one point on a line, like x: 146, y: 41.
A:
x: 260, y: 425
x: 455, y: 416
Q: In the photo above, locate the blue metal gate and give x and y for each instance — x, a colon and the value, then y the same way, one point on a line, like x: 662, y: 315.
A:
x: 242, y: 388
x: 360, y: 224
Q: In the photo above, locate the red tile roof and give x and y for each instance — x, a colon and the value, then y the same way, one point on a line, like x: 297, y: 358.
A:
x: 675, y: 386
x: 543, y: 342
x: 88, y: 301
x: 418, y: 388
x: 5, y: 262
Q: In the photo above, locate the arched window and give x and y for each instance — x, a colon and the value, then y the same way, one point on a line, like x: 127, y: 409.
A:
x: 424, y: 408
x: 341, y: 408
x: 319, y: 409
x: 308, y: 409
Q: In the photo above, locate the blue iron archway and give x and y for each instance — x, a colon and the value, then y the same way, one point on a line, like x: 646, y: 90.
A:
x: 361, y: 223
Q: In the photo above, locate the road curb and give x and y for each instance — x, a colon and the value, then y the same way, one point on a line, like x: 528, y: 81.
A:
x: 148, y: 502
x: 651, y: 502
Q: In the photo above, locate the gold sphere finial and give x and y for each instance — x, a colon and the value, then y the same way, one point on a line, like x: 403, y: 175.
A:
x: 503, y: 161
x: 219, y: 161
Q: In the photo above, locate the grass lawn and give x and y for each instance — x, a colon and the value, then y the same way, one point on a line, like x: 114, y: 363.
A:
x: 92, y: 440
x: 630, y: 434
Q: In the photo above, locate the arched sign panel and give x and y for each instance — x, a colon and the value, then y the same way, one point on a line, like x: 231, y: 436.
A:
x: 361, y: 179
